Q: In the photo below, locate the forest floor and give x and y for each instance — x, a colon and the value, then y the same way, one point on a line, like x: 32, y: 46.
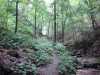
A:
x: 92, y: 68
x: 50, y: 69
x: 88, y: 72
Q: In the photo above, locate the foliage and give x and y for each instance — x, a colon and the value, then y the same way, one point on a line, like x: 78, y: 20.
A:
x: 34, y: 18
x: 42, y: 57
x: 44, y: 50
x: 9, y: 40
x: 25, y: 68
x: 16, y: 62
x: 40, y: 52
x: 67, y: 63
x: 43, y: 44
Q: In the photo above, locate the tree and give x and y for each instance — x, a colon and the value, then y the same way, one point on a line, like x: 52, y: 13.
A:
x: 55, y: 21
x: 16, y: 26
x: 91, y: 8
x: 35, y: 28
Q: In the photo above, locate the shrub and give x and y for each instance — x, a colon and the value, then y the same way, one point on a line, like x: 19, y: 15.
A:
x: 67, y: 64
x: 26, y: 68
x: 44, y: 51
x: 42, y: 57
x: 11, y: 40
x: 39, y: 52
x: 16, y: 62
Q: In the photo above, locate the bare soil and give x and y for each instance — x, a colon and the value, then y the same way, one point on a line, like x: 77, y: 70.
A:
x: 50, y: 69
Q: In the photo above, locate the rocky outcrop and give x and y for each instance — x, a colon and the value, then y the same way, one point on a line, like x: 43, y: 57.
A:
x: 88, y: 72
x: 88, y: 62
x: 14, y: 62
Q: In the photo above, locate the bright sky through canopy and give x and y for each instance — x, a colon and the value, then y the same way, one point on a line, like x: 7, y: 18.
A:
x: 74, y: 2
x: 48, y: 2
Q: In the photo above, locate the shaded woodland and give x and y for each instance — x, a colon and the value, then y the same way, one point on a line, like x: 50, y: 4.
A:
x: 49, y: 37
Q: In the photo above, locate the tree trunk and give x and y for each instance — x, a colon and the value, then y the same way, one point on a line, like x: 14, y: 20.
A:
x: 62, y: 26
x: 35, y: 28
x: 16, y: 27
x: 57, y: 32
x: 48, y: 28
x: 63, y: 32
x: 55, y: 21
x: 7, y: 14
x: 94, y: 23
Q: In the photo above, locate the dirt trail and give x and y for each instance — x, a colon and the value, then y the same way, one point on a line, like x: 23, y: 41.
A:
x: 89, y: 66
x: 50, y: 69
x: 88, y: 72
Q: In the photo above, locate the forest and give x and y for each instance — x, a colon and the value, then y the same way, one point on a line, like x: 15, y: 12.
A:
x: 49, y: 37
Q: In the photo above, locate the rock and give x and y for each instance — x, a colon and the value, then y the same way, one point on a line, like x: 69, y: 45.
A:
x: 12, y: 60
x: 88, y: 72
x: 89, y: 62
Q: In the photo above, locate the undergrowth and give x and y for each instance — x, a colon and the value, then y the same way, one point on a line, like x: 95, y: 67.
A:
x: 38, y: 51
x: 67, y: 63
